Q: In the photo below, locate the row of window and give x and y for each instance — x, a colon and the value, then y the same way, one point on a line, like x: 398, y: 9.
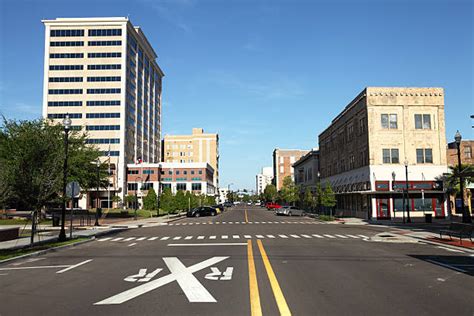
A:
x: 179, y: 186
x: 104, y: 91
x: 103, y: 127
x: 423, y: 155
x: 64, y: 103
x: 102, y: 79
x: 64, y: 33
x: 104, y: 43
x: 62, y: 115
x: 67, y: 44
x: 111, y: 153
x: 66, y: 55
x: 65, y: 91
x: 390, y: 121
x: 103, y: 141
x: 66, y: 67
x: 104, y: 55
x: 103, y: 103
x: 79, y: 91
x: 105, y: 32
x: 104, y: 67
x: 102, y: 115
x: 65, y: 79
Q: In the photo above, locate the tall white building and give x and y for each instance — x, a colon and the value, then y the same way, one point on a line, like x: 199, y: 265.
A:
x: 103, y: 73
x: 264, y: 178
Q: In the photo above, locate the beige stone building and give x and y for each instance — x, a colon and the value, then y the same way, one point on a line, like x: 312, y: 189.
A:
x: 283, y: 160
x: 197, y: 147
x: 364, y: 151
x: 103, y: 73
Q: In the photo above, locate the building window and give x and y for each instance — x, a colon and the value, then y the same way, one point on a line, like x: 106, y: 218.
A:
x: 104, y: 55
x: 103, y: 103
x: 65, y: 91
x: 103, y: 91
x: 148, y: 171
x: 170, y: 172
x: 62, y: 115
x: 66, y: 55
x: 185, y: 172
x: 102, y: 115
x: 424, y: 155
x: 389, y: 121
x: 103, y: 79
x: 103, y: 141
x: 177, y: 172
x: 282, y: 169
x: 103, y: 127
x: 64, y: 103
x: 105, y: 43
x: 105, y: 32
x: 132, y: 171
x: 200, y: 171
x: 147, y: 186
x: 66, y: 33
x: 65, y: 79
x: 196, y: 186
x: 181, y: 186
x: 132, y: 186
x: 66, y: 67
x: 468, y: 152
x: 192, y: 171
x: 60, y: 44
x: 390, y: 155
x: 104, y: 67
x: 422, y: 121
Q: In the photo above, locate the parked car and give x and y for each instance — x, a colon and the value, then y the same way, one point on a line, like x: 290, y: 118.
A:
x: 228, y: 204
x: 220, y: 207
x: 202, y: 211
x: 271, y: 206
x: 289, y: 211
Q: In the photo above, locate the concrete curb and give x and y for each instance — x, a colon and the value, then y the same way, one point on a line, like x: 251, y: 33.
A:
x: 443, y: 244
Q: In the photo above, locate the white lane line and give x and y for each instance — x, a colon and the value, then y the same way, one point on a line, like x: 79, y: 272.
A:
x: 132, y: 244
x: 259, y: 236
x: 270, y: 236
x: 329, y: 236
x: 197, y: 223
x: 204, y: 223
x: 317, y: 236
x: 170, y: 224
x: 249, y: 222
x: 212, y: 237
x: 242, y: 222
x: 236, y: 236
x: 141, y: 238
x: 188, y: 237
x: 217, y: 222
x: 247, y: 236
x: 37, y: 267
x: 295, y: 236
x: 449, y: 249
x: 353, y: 236
x: 264, y: 222
x: 75, y: 266
x: 257, y: 222
x: 200, y: 237
x: 209, y: 244
x: 224, y: 222
x: 104, y: 239
x: 153, y: 238
x: 177, y: 238
x: 117, y: 239
x: 224, y: 237
x: 185, y: 224
x: 130, y: 238
x: 231, y: 222
x: 191, y: 223
x: 363, y: 236
x: 446, y: 265
x: 341, y: 236
x: 164, y: 238
x: 283, y: 236
x: 306, y: 236
x: 177, y: 224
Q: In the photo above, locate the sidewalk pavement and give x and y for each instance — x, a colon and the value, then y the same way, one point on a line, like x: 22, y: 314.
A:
x: 50, y: 234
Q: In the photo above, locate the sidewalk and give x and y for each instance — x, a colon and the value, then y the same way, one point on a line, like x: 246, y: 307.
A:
x: 49, y: 234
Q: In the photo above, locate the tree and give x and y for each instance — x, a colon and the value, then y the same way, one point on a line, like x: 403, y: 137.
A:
x: 116, y: 199
x: 181, y: 203
x: 289, y: 191
x: 209, y: 200
x: 308, y: 199
x: 329, y: 198
x: 319, y: 195
x: 167, y: 201
x: 150, y: 200
x: 451, y: 180
x: 130, y: 200
x: 270, y: 193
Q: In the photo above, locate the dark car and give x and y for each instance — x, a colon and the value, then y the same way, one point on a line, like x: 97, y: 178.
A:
x: 202, y: 211
x: 219, y: 207
x: 228, y: 204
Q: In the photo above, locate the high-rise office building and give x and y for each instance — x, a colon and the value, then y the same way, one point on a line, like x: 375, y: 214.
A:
x: 103, y: 73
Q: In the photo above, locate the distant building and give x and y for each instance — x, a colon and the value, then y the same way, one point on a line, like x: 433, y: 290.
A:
x: 283, y: 159
x: 466, y: 153
x: 223, y: 195
x: 306, y: 171
x: 263, y: 179
x: 364, y: 149
x: 197, y: 147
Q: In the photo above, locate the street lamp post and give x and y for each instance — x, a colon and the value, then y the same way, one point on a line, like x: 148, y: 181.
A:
x: 67, y: 125
x: 97, y: 210
x: 229, y: 192
x: 466, y: 217
x: 407, y: 205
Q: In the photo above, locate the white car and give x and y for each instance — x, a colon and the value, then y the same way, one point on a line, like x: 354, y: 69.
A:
x: 289, y: 211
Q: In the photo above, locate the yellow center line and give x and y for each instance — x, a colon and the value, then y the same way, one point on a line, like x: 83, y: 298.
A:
x: 246, y: 218
x: 255, y: 307
x: 279, y: 298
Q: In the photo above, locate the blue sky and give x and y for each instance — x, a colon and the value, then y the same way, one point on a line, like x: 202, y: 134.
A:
x: 263, y: 74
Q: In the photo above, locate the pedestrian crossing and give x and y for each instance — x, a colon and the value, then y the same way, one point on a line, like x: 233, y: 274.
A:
x: 246, y: 223
x: 233, y: 237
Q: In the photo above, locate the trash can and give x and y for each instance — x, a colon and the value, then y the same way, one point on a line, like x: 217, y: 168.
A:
x: 56, y: 220
x: 428, y: 218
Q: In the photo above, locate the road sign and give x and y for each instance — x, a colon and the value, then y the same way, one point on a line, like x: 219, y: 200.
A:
x: 73, y: 189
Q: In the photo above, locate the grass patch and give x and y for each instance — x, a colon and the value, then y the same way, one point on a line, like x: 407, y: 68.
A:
x: 23, y: 221
x: 7, y: 253
x: 326, y: 218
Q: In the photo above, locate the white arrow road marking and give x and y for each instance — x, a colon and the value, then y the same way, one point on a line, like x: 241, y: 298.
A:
x: 191, y: 287
x: 214, y: 275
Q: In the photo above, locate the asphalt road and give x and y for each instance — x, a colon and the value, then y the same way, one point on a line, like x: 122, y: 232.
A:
x: 246, y: 261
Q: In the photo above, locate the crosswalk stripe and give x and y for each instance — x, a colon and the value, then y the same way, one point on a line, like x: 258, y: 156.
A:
x: 224, y: 237
x: 283, y: 236
x: 224, y: 222
x: 212, y: 237
x: 257, y: 222
x: 170, y: 224
x: 188, y: 237
x: 317, y: 236
x: 141, y: 238
x: 341, y: 236
x: 204, y: 223
x: 200, y: 237
x: 242, y: 222
x: 153, y: 238
x: 259, y: 236
x: 270, y: 236
x: 117, y: 239
x: 185, y: 223
x: 235, y: 236
x: 191, y: 223
x: 352, y: 236
x: 329, y: 236
x: 306, y: 236
x: 104, y: 239
x: 164, y: 238
x: 177, y: 238
x: 264, y: 222
x: 231, y: 222
x: 247, y: 236
x: 363, y: 236
x: 295, y: 236
x: 198, y: 223
x: 129, y: 238
x: 249, y: 222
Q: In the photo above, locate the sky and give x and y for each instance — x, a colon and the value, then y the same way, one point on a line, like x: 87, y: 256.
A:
x: 263, y: 74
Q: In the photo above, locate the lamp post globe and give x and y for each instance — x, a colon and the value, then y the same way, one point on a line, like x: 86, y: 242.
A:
x: 67, y: 125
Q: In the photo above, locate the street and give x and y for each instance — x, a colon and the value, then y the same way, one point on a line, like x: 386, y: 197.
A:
x: 245, y: 261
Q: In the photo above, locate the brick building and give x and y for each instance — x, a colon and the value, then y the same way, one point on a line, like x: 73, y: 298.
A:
x: 283, y: 160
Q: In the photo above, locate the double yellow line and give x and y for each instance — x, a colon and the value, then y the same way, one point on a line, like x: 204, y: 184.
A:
x: 255, y: 306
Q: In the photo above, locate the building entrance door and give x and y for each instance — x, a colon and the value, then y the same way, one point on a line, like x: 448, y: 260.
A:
x: 383, y: 208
